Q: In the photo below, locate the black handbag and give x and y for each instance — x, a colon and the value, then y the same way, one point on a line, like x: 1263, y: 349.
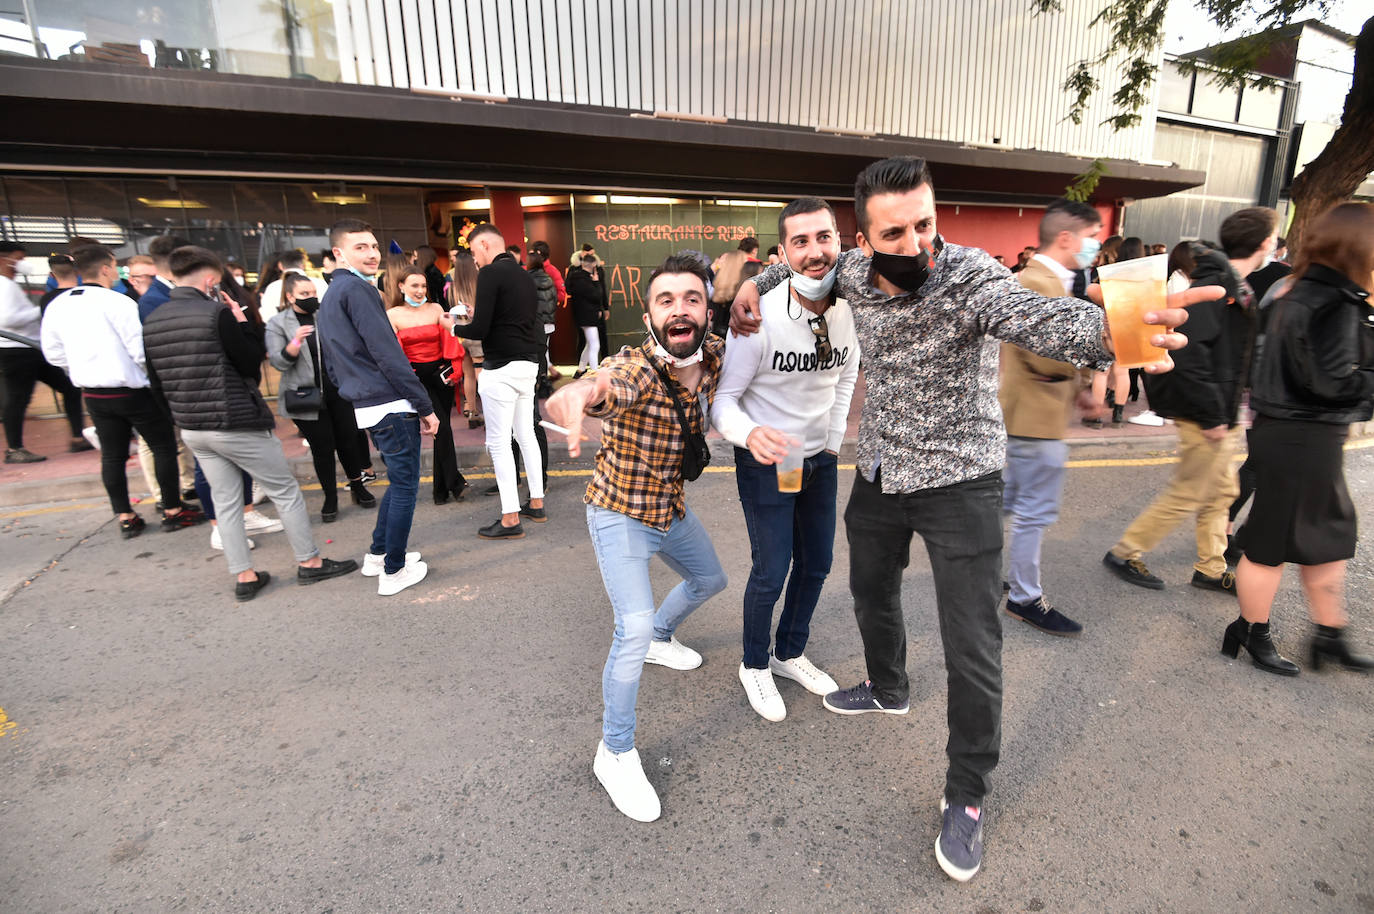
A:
x: 696, y: 453
x: 305, y: 399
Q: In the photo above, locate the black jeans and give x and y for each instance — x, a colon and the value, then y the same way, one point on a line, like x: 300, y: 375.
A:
x: 117, y: 412
x: 21, y: 370
x: 962, y: 528
x: 333, y: 431
x: 448, y: 480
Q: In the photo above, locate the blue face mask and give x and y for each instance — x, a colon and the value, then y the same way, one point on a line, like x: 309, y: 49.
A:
x: 1088, y: 252
x: 414, y: 303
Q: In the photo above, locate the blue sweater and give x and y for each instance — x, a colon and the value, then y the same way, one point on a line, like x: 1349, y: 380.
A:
x: 360, y: 350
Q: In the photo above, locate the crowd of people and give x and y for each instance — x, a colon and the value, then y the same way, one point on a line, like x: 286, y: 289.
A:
x: 974, y: 373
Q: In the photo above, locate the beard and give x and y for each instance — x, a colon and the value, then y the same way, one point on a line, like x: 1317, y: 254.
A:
x: 671, y: 336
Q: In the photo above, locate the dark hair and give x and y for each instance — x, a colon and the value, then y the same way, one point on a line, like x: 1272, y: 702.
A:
x: 1131, y: 249
x: 91, y: 258
x: 675, y: 264
x: 12, y: 247
x: 749, y: 244
x: 1280, y: 243
x: 245, y: 297
x: 293, y: 259
x: 425, y: 256
x: 512, y: 249
x: 1181, y: 259
x: 326, y: 254
x: 751, y: 269
x: 1111, y: 249
x: 394, y: 278
x: 1065, y: 215
x: 162, y: 246
x: 346, y: 227
x: 799, y: 207
x: 774, y: 250
x: 588, y: 247
x: 895, y: 175
x: 1341, y: 238
x: 188, y: 259
x: 1244, y: 231
x: 290, y: 281
x: 535, y: 260
x: 484, y: 228
x: 543, y: 248
x: 61, y: 266
x: 271, y: 272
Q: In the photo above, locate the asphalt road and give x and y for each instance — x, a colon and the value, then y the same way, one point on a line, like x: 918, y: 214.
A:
x: 325, y: 750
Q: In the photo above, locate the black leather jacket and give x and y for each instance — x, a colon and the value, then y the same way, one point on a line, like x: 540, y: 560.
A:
x: 1212, y: 371
x: 1318, y: 363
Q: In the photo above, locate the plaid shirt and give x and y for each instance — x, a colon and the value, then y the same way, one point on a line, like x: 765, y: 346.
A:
x: 639, y: 466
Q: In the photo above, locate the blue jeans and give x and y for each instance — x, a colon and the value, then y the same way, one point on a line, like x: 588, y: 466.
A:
x: 623, y: 548
x: 1034, y: 478
x: 786, y: 529
x: 397, y: 438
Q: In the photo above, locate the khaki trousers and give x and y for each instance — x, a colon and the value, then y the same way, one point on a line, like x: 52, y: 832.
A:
x: 1203, y: 485
x: 185, y: 463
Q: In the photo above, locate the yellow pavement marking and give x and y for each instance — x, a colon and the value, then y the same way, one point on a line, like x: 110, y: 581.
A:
x: 1086, y: 463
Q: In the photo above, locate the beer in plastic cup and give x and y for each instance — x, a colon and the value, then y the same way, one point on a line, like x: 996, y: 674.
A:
x: 790, y: 468
x: 1130, y: 289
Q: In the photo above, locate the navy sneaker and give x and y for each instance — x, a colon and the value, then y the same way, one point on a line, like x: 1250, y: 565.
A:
x: 860, y: 700
x: 959, y: 849
x: 1045, y: 617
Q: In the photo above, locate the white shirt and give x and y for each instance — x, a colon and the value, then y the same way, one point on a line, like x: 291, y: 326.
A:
x: 368, y: 416
x: 1064, y: 273
x: 772, y: 377
x: 95, y: 334
x: 18, y: 313
x: 271, y: 296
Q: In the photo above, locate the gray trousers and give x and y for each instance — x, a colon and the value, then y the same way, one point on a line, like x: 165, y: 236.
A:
x: 224, y: 457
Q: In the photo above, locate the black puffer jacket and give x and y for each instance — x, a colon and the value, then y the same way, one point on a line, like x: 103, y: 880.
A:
x: 205, y: 364
x: 546, y: 310
x: 1210, y: 373
x: 1318, y: 363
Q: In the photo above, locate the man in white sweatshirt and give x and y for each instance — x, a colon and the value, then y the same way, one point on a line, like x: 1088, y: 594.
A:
x: 788, y: 387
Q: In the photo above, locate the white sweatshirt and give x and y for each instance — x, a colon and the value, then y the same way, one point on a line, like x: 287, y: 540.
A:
x: 18, y: 314
x: 95, y: 334
x: 772, y: 377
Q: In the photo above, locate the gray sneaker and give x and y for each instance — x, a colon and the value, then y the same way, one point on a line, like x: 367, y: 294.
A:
x: 860, y: 700
x: 959, y: 849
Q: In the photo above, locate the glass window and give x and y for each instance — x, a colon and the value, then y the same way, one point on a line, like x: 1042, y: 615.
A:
x: 1213, y: 102
x: 1175, y: 89
x: 1262, y: 107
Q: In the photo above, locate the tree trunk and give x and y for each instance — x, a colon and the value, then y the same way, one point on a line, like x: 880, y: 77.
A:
x: 1347, y: 160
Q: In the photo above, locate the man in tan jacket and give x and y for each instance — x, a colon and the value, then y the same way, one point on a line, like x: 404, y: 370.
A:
x: 1038, y: 397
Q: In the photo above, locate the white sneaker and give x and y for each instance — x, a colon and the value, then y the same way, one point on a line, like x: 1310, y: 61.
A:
x: 255, y: 522
x: 673, y: 654
x: 763, y: 694
x: 259, y: 495
x: 799, y: 669
x: 217, y: 543
x: 1149, y: 417
x: 374, y: 565
x: 623, y: 777
x: 388, y: 584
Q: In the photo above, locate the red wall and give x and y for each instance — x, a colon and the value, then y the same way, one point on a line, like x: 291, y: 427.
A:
x: 1001, y: 230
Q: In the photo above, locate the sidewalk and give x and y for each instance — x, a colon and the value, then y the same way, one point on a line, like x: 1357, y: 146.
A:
x: 65, y: 476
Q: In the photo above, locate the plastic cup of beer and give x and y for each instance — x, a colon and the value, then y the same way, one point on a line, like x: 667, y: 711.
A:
x: 790, y: 467
x: 1130, y: 289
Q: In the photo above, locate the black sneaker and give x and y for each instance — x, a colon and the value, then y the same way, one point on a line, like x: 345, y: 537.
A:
x: 189, y: 495
x: 959, y: 849
x: 1132, y: 571
x: 80, y: 445
x: 1224, y: 582
x: 20, y: 455
x: 496, y: 531
x: 247, y: 590
x: 367, y: 476
x: 328, y: 569
x: 187, y: 517
x: 535, y: 514
x: 132, y: 527
x: 860, y: 700
x: 494, y: 490
x: 1045, y: 617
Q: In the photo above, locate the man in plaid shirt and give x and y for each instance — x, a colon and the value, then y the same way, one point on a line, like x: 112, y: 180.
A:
x: 635, y: 505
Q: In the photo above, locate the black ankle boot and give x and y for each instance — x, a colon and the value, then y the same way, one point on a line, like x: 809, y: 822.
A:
x: 329, y: 512
x: 1118, y: 413
x: 1111, y: 398
x: 361, y: 497
x: 1329, y: 644
x: 1255, y: 639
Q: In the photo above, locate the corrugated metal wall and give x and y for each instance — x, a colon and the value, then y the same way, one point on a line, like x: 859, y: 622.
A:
x: 974, y: 71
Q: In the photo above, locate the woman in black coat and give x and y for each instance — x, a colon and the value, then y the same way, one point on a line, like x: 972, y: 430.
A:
x: 588, y: 298
x: 1315, y: 377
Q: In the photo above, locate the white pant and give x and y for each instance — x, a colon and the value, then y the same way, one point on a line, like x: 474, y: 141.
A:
x: 591, y: 352
x: 508, y: 406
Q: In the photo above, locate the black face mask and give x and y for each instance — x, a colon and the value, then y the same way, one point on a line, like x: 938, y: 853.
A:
x: 906, y: 271
x: 308, y: 305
